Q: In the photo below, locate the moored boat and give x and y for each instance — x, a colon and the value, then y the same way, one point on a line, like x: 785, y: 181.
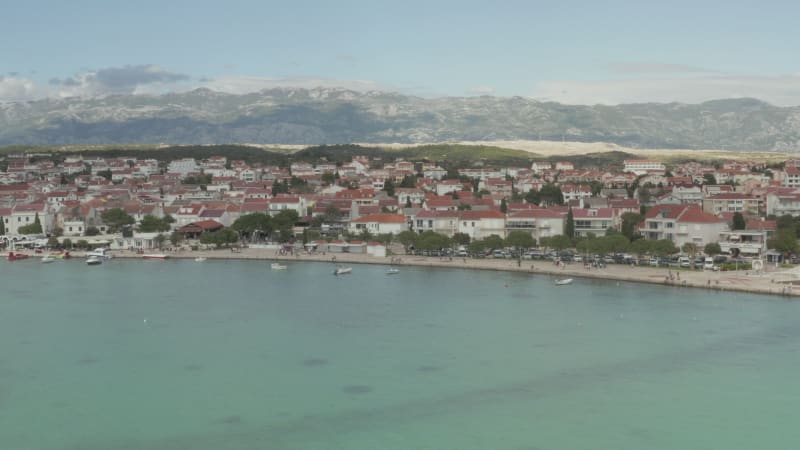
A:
x: 343, y: 270
x: 102, y: 253
x: 563, y: 281
x: 47, y: 259
x: 154, y: 256
x: 200, y: 259
x: 16, y: 256
x: 94, y: 260
x: 392, y: 271
x: 277, y: 266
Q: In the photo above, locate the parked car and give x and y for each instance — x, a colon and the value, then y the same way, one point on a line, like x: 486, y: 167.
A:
x: 685, y: 262
x: 708, y: 264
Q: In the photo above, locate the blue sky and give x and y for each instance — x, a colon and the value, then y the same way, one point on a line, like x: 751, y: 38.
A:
x: 568, y: 51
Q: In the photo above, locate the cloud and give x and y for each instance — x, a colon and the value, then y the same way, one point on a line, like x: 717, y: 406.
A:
x: 631, y: 67
x: 244, y: 85
x: 15, y: 89
x: 778, y: 90
x: 481, y: 90
x: 128, y: 79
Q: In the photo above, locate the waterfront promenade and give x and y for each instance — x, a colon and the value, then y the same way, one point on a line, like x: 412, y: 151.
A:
x: 773, y: 281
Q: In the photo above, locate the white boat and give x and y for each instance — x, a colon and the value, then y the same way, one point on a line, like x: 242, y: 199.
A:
x: 47, y: 259
x: 102, y: 253
x: 563, y: 281
x: 94, y: 261
x: 154, y: 256
x: 342, y: 270
x: 392, y: 271
x: 277, y: 266
x: 200, y: 259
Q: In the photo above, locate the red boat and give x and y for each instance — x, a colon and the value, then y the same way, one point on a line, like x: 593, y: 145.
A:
x: 15, y: 256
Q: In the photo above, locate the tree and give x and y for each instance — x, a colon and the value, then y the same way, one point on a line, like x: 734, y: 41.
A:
x: 712, y: 249
x: 408, y: 239
x: 67, y: 244
x: 503, y: 206
x: 785, y: 241
x: 256, y: 225
x: 664, y: 247
x: 2, y: 227
x: 328, y: 178
x: 284, y: 221
x: 738, y: 221
x: 629, y: 223
x: 116, y: 219
x: 559, y: 242
x: 159, y: 240
x: 388, y: 186
x: 409, y: 181
x: 431, y: 240
x: 220, y: 238
x: 689, y: 248
x: 57, y: 232
x: 461, y: 238
x: 175, y: 238
x: 520, y: 239
x: 152, y: 224
x: 494, y: 241
x: 709, y: 178
x: 91, y: 231
x: 105, y: 174
x: 549, y: 194
x: 33, y: 228
x: 569, y: 226
x: 408, y: 202
x: 52, y: 242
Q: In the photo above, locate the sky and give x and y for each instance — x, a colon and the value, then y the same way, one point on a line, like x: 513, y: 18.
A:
x: 575, y: 52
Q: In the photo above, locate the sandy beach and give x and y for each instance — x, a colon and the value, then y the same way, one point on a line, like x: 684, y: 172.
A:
x: 773, y: 281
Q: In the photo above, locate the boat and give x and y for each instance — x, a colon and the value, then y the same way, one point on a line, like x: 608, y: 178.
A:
x: 563, y: 281
x: 342, y: 270
x: 16, y: 256
x: 102, y: 253
x: 277, y: 266
x: 154, y: 256
x: 200, y: 259
x: 94, y: 260
x: 47, y: 259
x: 392, y: 271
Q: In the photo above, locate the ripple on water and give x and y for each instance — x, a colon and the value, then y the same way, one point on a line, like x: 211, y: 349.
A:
x: 315, y: 362
x: 230, y: 420
x: 87, y: 361
x: 357, y: 389
x: 193, y: 367
x: 428, y: 369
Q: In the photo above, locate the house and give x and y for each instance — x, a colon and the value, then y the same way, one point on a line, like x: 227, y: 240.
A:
x: 442, y: 222
x: 733, y: 203
x: 643, y: 166
x: 284, y: 203
x: 195, y: 229
x: 481, y: 224
x: 592, y: 220
x: 540, y: 222
x: 381, y: 223
x: 751, y: 243
x: 445, y: 187
x: 682, y: 224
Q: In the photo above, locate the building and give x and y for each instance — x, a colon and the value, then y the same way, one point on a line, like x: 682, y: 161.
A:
x: 752, y: 243
x: 382, y: 223
x: 592, y: 220
x: 732, y: 203
x: 540, y: 223
x: 682, y: 224
x: 481, y: 224
x: 643, y: 166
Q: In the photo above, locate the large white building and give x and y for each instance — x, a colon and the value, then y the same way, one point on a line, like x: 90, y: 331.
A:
x: 643, y: 166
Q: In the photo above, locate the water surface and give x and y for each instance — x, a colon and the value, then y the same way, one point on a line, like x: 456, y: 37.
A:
x: 230, y: 355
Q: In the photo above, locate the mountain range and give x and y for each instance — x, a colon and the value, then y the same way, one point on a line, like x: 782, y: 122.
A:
x: 335, y: 116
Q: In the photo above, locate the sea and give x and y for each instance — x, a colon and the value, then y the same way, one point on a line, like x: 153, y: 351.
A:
x: 230, y: 355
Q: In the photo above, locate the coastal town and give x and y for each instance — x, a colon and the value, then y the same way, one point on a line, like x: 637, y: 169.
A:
x: 642, y: 211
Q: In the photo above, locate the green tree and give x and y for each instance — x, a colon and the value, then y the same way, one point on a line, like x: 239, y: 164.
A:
x: 494, y: 241
x: 408, y: 202
x: 629, y: 223
x: 664, y: 247
x: 52, y: 242
x: 520, y: 239
x: 284, y: 221
x: 2, y: 227
x: 409, y: 181
x: 225, y: 236
x: 785, y: 241
x: 91, y: 231
x: 33, y: 228
x: 159, y: 240
x: 712, y: 249
x: 105, y: 174
x: 116, y: 219
x: 738, y: 221
x: 67, y: 244
x: 430, y: 240
x: 328, y: 178
x: 256, y: 225
x: 152, y: 224
x: 641, y: 247
x: 549, y: 194
x: 569, y: 226
x: 461, y: 239
x: 175, y: 238
x: 559, y: 242
x: 709, y: 178
x: 503, y: 206
x: 388, y: 186
x: 408, y: 239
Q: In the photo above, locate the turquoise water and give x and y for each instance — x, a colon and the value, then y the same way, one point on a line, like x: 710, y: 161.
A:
x: 230, y: 355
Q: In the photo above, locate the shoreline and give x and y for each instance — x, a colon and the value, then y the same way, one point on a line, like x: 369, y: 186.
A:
x: 767, y: 283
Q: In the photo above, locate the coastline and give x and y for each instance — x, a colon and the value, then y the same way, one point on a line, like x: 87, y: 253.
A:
x: 768, y: 283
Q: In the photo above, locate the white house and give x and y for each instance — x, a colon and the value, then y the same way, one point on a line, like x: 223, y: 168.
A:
x: 382, y: 223
x: 481, y: 224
